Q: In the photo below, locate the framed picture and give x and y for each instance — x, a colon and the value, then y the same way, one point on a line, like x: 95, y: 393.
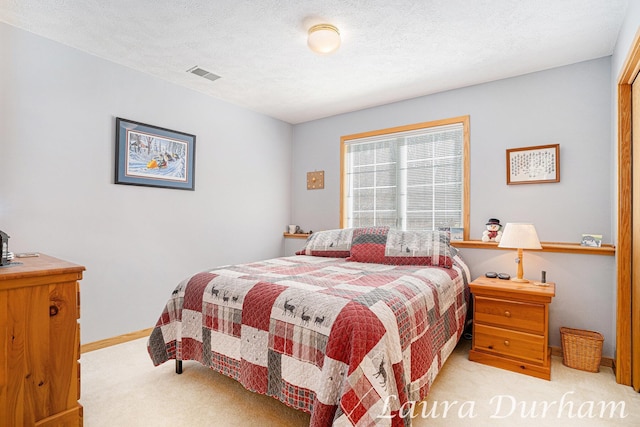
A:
x: 153, y: 156
x: 457, y: 233
x: 533, y: 165
x: 593, y: 240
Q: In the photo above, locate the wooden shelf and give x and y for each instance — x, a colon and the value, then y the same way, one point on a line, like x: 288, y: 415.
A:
x: 571, y: 248
x: 297, y: 235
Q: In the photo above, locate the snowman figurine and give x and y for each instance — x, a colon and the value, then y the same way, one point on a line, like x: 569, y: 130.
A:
x: 492, y: 233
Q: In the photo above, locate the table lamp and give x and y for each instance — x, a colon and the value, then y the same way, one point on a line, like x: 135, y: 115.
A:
x: 519, y: 236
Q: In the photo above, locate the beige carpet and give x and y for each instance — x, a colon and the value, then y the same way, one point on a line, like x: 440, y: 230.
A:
x: 121, y: 387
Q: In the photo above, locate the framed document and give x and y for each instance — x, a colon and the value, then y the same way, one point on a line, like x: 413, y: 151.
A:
x: 533, y: 165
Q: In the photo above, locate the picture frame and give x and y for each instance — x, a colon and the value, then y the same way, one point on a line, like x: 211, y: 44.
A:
x: 533, y: 165
x: 592, y: 240
x: 153, y: 156
x: 457, y: 234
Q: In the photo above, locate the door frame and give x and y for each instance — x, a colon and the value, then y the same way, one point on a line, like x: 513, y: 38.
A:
x: 624, y: 328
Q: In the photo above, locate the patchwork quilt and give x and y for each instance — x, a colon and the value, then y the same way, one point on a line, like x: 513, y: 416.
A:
x: 348, y: 342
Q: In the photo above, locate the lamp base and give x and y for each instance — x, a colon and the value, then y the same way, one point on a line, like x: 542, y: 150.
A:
x: 515, y: 279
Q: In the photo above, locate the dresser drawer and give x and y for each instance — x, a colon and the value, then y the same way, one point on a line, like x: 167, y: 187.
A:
x: 510, y: 314
x: 510, y: 343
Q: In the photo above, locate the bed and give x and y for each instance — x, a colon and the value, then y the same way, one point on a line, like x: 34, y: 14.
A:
x: 350, y: 329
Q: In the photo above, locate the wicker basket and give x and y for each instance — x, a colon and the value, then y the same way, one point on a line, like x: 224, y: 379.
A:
x: 581, y: 349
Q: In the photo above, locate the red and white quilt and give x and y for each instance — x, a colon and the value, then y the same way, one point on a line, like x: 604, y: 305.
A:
x: 348, y: 342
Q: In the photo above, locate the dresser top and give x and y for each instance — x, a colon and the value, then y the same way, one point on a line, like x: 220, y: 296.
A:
x: 32, y: 268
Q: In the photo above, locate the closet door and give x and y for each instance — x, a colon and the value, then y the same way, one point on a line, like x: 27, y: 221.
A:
x: 628, y: 224
x: 635, y: 226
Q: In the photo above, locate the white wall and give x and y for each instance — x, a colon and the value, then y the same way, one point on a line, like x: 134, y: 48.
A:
x: 627, y: 34
x: 570, y: 106
x: 57, y: 121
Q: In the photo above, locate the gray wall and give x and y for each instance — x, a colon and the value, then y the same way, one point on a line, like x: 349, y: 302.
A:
x: 570, y: 106
x: 627, y: 34
x: 57, y: 121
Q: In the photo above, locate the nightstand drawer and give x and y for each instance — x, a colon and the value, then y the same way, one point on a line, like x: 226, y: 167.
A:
x: 510, y: 343
x: 511, y: 314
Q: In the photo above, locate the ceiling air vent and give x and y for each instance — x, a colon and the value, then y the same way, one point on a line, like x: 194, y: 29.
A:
x: 203, y: 73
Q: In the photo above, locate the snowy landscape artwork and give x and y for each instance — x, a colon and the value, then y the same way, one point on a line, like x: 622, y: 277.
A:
x: 152, y: 156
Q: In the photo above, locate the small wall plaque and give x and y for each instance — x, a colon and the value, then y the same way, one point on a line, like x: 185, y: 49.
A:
x: 315, y: 180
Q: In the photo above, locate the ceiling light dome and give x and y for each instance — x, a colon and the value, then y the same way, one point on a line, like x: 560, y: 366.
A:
x: 323, y: 38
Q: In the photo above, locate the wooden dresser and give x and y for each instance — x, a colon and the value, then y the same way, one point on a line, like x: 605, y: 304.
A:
x: 40, y: 342
x: 511, y: 325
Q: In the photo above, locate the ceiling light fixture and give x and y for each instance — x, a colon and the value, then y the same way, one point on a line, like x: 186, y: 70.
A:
x: 323, y: 38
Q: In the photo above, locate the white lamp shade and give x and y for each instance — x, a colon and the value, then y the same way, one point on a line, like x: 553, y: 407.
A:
x: 519, y: 236
x: 323, y: 38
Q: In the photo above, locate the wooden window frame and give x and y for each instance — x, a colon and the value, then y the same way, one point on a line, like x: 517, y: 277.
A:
x: 464, y: 120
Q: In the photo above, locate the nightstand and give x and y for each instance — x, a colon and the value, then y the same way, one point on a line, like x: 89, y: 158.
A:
x: 511, y: 325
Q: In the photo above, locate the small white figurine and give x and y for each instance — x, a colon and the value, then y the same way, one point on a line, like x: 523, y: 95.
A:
x: 493, y: 232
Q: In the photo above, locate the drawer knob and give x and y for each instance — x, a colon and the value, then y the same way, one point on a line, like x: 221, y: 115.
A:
x: 506, y: 342
x: 507, y: 313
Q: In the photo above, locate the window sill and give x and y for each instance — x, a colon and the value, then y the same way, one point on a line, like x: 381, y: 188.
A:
x: 571, y: 248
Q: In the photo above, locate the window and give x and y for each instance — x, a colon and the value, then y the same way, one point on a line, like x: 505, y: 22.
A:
x: 412, y: 177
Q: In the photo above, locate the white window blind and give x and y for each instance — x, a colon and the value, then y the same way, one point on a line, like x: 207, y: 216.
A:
x: 411, y: 180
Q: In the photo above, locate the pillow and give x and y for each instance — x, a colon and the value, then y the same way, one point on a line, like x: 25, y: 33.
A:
x: 369, y: 244
x: 382, y: 245
x: 329, y: 243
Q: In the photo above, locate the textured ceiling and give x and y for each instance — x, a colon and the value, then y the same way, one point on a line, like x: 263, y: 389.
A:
x: 392, y: 49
